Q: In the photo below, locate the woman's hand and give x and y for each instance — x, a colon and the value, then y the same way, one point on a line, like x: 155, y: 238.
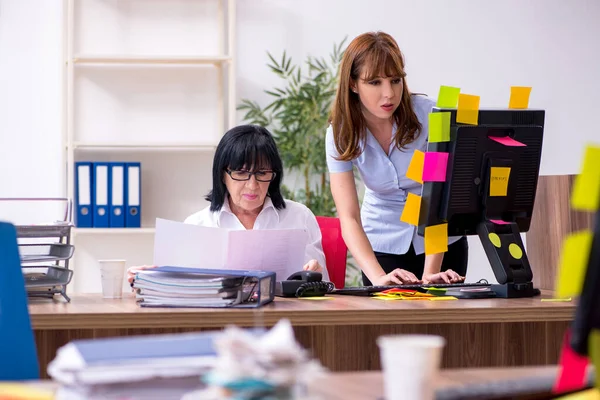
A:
x: 133, y: 270
x: 396, y: 277
x: 447, y: 276
x: 313, y: 265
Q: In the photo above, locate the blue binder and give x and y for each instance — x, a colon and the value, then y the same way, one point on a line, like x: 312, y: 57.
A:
x: 101, y: 193
x: 17, y: 346
x: 84, y: 181
x: 133, y: 195
x: 117, y: 203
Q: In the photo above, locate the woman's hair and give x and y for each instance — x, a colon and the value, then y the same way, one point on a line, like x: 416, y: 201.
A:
x: 251, y: 147
x: 370, y: 55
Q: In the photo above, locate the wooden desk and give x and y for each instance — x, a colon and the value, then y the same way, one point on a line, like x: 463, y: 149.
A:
x: 341, y: 332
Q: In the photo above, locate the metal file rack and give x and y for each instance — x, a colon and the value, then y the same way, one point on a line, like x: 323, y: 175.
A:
x: 45, y: 251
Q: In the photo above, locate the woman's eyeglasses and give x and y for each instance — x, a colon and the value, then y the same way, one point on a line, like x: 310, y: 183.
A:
x: 260, y: 176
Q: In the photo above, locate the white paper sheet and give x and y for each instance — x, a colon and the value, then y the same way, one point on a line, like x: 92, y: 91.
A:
x: 184, y: 245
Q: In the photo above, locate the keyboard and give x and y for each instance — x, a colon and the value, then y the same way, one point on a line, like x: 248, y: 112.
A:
x: 367, y: 290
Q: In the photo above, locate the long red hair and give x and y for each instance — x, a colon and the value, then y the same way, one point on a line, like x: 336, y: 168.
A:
x: 371, y: 54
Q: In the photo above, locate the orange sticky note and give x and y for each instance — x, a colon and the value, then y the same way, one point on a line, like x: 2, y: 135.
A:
x: 499, y: 177
x: 586, y: 189
x: 411, y: 211
x: 436, y: 239
x: 468, y: 109
x: 573, y: 263
x: 448, y: 97
x: 519, y: 97
x: 439, y: 127
x: 415, y: 168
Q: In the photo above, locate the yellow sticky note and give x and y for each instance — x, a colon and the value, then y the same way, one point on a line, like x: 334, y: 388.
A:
x: 439, y: 127
x: 436, y: 239
x: 519, y: 97
x: 589, y: 394
x: 442, y: 298
x: 565, y: 300
x: 448, y: 97
x: 594, y: 352
x: 410, y: 214
x: 468, y: 109
x: 22, y: 391
x: 499, y: 181
x: 415, y: 168
x: 586, y: 189
x: 317, y: 298
x: 573, y: 263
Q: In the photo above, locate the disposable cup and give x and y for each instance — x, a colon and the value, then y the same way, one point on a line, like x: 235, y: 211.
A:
x: 112, y: 273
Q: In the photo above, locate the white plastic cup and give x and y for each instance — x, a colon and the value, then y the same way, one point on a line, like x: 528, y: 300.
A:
x: 112, y: 273
x: 410, y: 365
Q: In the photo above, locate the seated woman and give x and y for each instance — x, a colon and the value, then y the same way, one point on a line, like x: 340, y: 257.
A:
x: 247, y: 173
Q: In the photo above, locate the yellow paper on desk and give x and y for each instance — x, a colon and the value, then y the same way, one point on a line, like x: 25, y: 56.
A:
x: 586, y: 190
x: 411, y: 211
x: 17, y: 391
x: 573, y: 263
x: 436, y: 239
x: 499, y: 177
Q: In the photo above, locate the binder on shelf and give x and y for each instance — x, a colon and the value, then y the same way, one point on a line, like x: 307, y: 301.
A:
x: 133, y: 195
x: 117, y: 204
x: 83, y: 194
x: 101, y: 194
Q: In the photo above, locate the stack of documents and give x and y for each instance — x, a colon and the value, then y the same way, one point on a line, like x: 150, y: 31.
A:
x: 133, y: 367
x: 194, y: 287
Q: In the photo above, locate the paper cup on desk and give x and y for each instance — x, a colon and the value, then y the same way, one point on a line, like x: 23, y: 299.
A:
x: 112, y: 273
x: 410, y: 364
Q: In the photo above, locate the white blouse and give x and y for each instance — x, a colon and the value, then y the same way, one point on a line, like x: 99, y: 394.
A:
x: 293, y: 216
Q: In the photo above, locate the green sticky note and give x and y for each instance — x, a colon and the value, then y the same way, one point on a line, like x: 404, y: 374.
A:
x: 448, y: 97
x: 439, y: 127
x: 573, y: 263
x: 594, y: 352
x: 586, y: 189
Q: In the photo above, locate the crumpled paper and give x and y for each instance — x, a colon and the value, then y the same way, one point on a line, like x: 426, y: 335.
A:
x: 250, y: 366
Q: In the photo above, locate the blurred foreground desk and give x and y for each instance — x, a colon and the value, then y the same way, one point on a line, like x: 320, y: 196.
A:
x: 341, y: 332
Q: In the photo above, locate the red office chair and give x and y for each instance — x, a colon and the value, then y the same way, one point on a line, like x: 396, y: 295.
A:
x: 334, y: 248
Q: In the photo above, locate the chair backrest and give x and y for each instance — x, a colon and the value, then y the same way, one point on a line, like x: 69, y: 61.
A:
x: 18, y: 355
x: 334, y: 248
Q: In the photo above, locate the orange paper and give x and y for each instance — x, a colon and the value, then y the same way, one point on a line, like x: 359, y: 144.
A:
x: 411, y: 211
x: 468, y: 109
x: 415, y: 168
x: 519, y: 97
x: 436, y: 239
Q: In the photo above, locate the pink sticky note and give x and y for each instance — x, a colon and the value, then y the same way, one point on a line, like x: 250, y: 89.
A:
x: 572, y: 368
x: 498, y: 222
x: 507, y: 141
x: 435, y: 166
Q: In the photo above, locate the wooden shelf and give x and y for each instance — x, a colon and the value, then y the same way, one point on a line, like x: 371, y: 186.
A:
x: 144, y: 146
x: 110, y: 231
x: 151, y: 60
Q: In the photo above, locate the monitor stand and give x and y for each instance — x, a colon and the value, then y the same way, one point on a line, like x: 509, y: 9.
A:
x: 505, y: 251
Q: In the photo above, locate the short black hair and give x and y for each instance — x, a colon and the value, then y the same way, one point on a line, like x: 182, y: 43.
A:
x: 249, y: 146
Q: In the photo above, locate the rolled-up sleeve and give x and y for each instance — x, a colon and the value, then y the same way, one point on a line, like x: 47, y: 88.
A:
x: 334, y: 165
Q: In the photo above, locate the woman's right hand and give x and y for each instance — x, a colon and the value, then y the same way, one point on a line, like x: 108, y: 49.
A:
x: 396, y: 277
x: 133, y: 270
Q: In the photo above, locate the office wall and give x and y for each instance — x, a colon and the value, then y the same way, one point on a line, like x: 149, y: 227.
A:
x: 482, y: 46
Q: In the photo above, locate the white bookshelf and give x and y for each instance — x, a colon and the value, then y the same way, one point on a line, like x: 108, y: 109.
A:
x: 148, y: 81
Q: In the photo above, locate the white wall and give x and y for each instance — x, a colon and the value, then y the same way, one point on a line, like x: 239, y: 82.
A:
x: 482, y: 46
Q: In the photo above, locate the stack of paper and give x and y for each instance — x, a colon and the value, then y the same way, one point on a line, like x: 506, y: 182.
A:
x: 193, y: 287
x: 163, y: 365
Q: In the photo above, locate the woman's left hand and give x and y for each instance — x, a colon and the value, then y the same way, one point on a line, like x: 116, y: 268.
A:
x: 447, y: 276
x: 313, y: 265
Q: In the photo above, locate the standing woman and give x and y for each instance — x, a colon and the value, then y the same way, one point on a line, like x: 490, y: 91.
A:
x: 376, y: 125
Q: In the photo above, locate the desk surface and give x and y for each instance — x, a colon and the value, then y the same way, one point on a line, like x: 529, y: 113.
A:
x: 94, y: 312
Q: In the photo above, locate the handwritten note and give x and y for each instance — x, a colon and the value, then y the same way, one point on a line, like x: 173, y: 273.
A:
x: 436, y: 239
x: 411, y: 211
x: 415, y: 168
x: 439, y: 127
x: 468, y: 109
x: 448, y: 97
x: 573, y: 263
x: 499, y: 181
x: 507, y: 141
x: 586, y: 190
x: 435, y: 165
x: 519, y: 97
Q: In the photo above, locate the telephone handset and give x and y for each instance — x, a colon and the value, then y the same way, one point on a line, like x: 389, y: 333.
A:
x: 303, y: 284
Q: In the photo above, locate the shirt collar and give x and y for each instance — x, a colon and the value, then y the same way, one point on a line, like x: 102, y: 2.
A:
x: 266, y: 205
x: 371, y: 141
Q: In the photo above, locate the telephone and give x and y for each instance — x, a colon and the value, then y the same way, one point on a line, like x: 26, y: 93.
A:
x: 303, y: 284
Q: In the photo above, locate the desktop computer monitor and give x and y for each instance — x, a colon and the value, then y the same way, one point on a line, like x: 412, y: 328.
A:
x: 490, y: 189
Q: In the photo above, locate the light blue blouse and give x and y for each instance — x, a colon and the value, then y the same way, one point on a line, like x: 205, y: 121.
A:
x: 387, y: 186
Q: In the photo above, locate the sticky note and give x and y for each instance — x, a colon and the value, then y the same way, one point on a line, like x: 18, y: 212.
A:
x: 572, y: 368
x: 442, y: 298
x: 468, y: 109
x: 448, y: 97
x: 499, y: 181
x: 573, y: 263
x: 515, y: 251
x: 498, y: 222
x: 588, y: 394
x: 519, y: 97
x: 565, y: 300
x: 434, y: 167
x: 586, y: 189
x: 411, y: 211
x: 594, y: 353
x: 439, y: 127
x: 507, y: 141
x: 415, y: 168
x: 436, y: 239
